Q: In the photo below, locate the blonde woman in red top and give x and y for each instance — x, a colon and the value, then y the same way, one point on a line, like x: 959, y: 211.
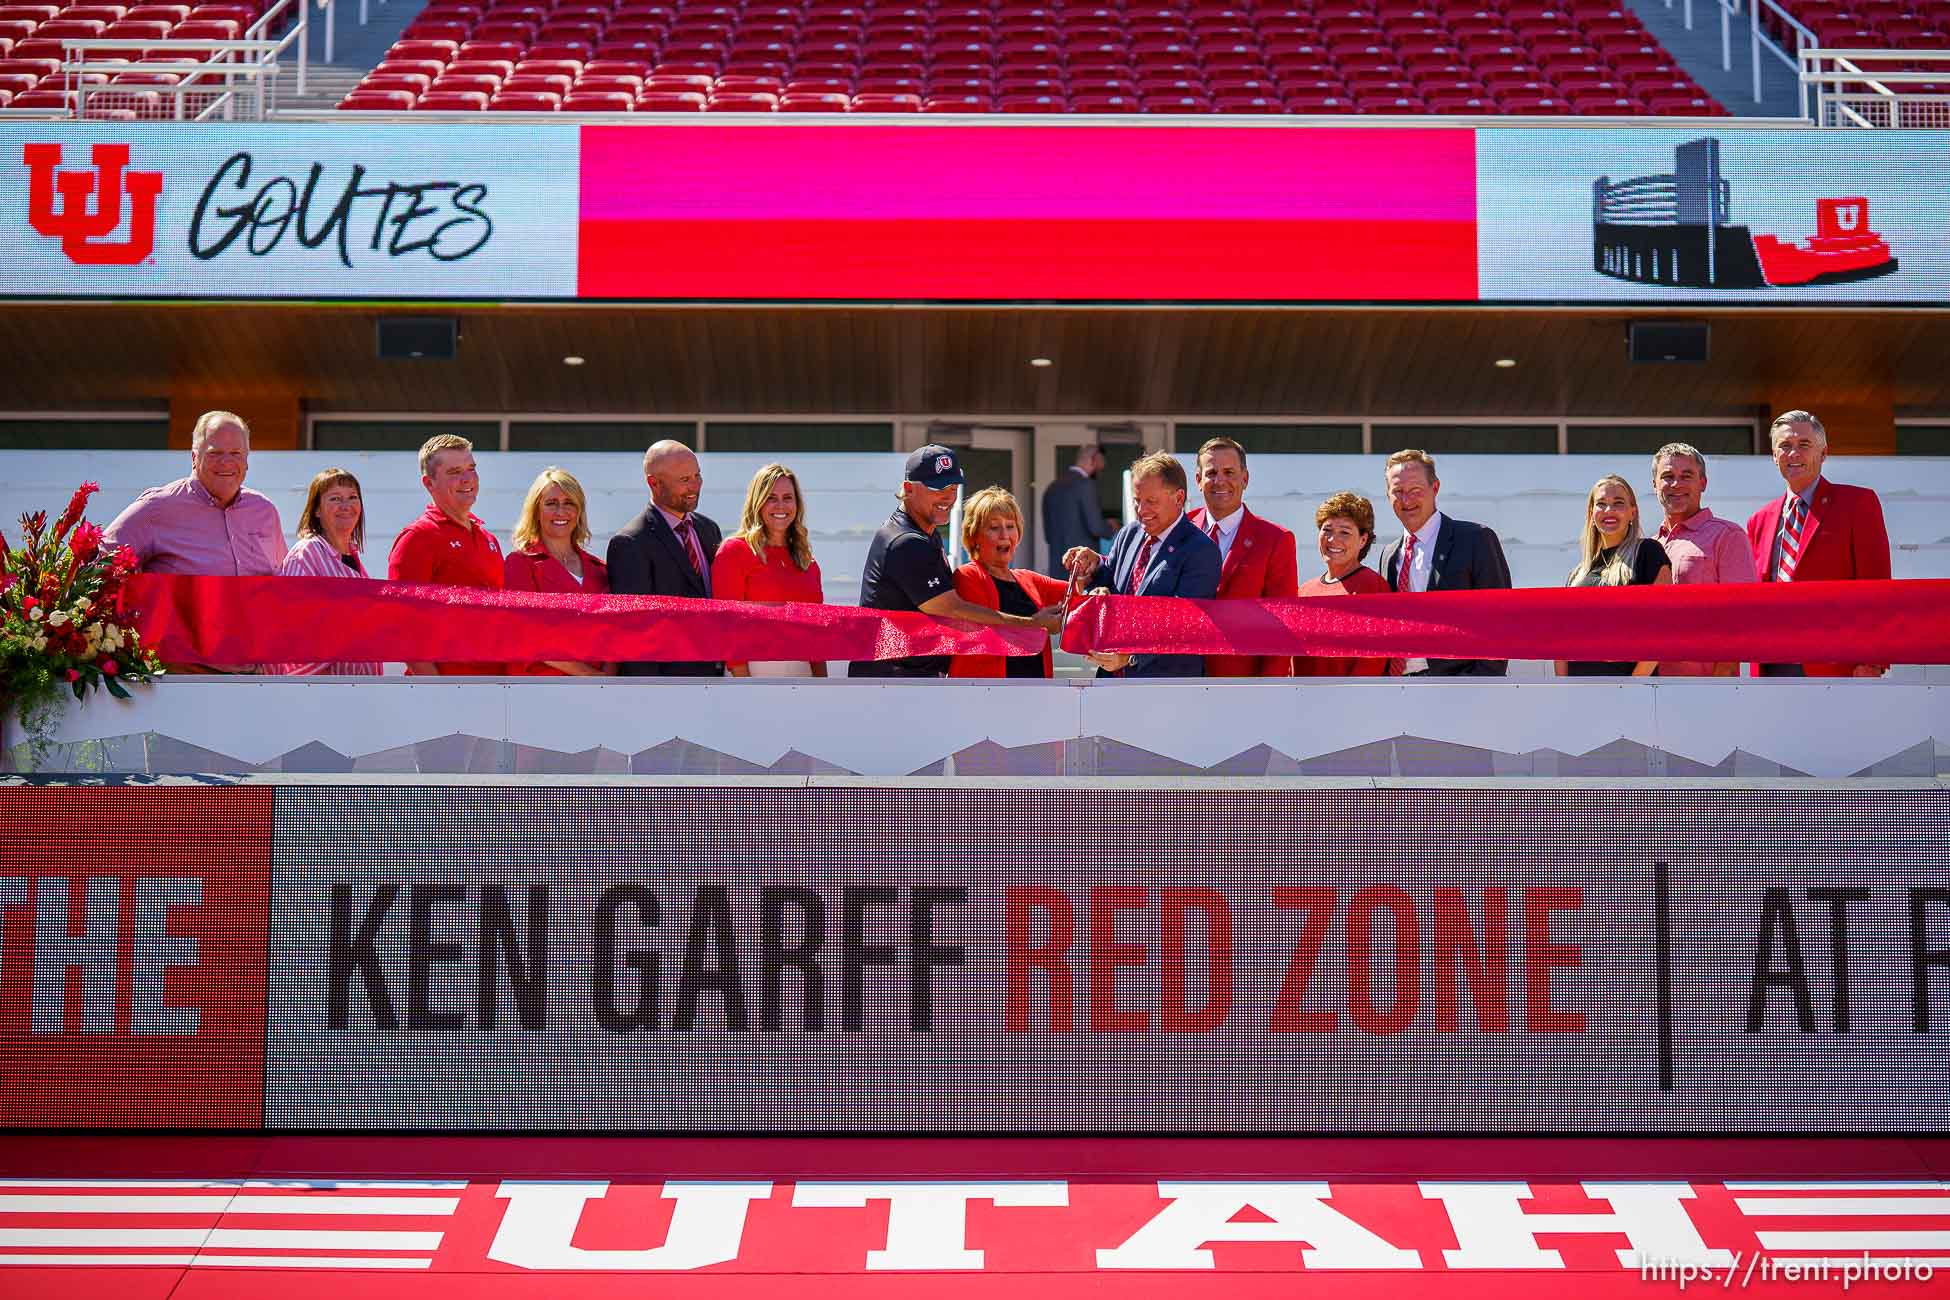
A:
x: 1345, y: 524
x: 991, y: 529
x: 770, y: 559
x: 549, y: 556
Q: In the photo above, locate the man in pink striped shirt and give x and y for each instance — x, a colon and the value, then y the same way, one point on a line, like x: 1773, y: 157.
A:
x: 1702, y: 547
x: 208, y: 523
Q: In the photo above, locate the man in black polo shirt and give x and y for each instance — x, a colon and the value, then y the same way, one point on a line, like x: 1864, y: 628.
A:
x: 906, y: 570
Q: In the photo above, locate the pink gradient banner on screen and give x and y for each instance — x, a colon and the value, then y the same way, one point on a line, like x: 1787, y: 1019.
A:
x: 1010, y: 213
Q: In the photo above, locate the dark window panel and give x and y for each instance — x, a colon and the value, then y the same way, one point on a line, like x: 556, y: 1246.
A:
x: 785, y: 438
x: 135, y: 434
x: 1275, y: 439
x: 1923, y: 440
x: 1643, y: 440
x: 399, y: 435
x: 595, y: 435
x: 1436, y: 439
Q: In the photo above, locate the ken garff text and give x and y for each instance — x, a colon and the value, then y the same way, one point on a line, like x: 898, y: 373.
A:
x: 446, y: 220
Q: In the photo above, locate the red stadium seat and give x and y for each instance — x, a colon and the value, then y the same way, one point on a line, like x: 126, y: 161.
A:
x: 436, y: 101
x: 466, y: 85
x: 957, y: 104
x: 815, y: 103
x: 384, y: 101
x: 735, y: 103
x: 886, y: 103
x: 414, y: 84
x: 670, y: 101
x: 618, y: 102
x: 533, y: 101
x: 15, y: 83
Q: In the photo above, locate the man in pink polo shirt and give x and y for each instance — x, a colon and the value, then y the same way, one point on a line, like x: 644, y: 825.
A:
x: 447, y: 544
x: 1702, y: 548
x: 208, y: 524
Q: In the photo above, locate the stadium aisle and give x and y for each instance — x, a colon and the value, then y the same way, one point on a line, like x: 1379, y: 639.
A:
x: 142, y: 1218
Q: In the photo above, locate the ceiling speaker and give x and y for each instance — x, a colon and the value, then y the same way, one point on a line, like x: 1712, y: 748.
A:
x: 1668, y: 340
x: 418, y: 338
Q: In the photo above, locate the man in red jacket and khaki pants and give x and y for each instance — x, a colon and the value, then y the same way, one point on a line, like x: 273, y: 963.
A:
x: 1260, y: 559
x: 1817, y: 532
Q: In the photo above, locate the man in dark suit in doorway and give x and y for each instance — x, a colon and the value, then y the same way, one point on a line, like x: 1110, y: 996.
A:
x: 1072, y: 512
x: 667, y: 550
x: 1443, y: 554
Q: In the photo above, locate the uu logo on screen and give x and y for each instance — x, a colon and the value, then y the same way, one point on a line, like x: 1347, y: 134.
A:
x: 1677, y: 229
x: 83, y: 226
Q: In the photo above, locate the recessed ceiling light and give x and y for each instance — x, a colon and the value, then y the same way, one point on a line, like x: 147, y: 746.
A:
x: 571, y: 361
x: 1041, y: 363
x: 1505, y: 363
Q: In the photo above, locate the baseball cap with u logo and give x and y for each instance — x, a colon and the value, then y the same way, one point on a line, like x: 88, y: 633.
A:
x: 934, y: 467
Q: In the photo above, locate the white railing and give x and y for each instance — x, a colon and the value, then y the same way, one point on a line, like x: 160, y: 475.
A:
x: 215, y: 79
x: 1758, y: 43
x: 1871, y: 89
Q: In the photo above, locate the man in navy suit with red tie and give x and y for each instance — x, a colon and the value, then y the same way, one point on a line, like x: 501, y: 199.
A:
x: 1817, y: 531
x: 1160, y: 553
x: 1258, y: 558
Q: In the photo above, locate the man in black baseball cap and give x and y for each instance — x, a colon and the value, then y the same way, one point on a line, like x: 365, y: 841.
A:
x: 906, y: 569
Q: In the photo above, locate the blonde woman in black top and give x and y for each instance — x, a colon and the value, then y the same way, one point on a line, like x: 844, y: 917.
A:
x: 1615, y: 554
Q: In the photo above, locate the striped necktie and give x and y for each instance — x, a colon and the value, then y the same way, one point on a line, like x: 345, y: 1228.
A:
x: 1793, y: 524
x: 1143, y: 563
x: 1407, y: 566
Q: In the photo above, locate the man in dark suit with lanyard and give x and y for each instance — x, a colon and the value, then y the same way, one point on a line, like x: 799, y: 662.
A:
x: 1437, y: 553
x: 667, y: 550
x: 1159, y: 553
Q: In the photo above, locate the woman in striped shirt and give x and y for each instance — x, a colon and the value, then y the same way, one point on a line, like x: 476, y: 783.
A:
x: 330, y: 535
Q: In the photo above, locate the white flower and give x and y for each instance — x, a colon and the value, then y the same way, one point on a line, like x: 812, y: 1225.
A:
x: 57, y: 618
x: 34, y: 614
x: 39, y: 644
x: 83, y: 605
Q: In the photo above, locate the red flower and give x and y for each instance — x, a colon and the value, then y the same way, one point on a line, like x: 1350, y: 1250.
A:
x: 34, y: 524
x: 72, y: 515
x: 108, y: 667
x: 28, y: 604
x: 73, y: 676
x: 86, y: 542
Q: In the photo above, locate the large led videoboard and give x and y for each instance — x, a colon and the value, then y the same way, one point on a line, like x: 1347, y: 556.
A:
x: 1005, y: 212
x: 1138, y: 958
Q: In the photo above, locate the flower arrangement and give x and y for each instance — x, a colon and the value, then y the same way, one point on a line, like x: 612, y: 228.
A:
x: 62, y: 626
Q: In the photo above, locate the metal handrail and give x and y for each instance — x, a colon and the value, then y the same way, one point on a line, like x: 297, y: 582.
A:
x: 1831, y: 73
x: 254, y: 58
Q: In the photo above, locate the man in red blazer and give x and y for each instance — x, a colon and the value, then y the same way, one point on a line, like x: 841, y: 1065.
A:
x: 1817, y: 531
x: 1260, y: 556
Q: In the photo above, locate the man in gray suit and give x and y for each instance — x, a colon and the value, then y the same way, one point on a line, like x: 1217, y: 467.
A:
x: 1072, y: 515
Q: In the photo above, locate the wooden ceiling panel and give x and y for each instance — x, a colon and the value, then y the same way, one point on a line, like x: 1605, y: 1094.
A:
x: 950, y: 360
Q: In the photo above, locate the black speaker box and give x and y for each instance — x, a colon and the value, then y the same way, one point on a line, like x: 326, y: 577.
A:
x: 1668, y: 340
x: 418, y: 338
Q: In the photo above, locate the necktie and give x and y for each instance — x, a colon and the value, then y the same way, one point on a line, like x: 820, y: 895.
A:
x: 1212, y: 531
x: 1791, y: 527
x: 687, y: 533
x: 1408, y: 564
x: 1143, y: 563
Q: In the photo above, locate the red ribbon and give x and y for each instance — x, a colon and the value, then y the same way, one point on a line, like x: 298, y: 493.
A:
x: 260, y: 620
x: 1884, y: 622
x: 328, y: 620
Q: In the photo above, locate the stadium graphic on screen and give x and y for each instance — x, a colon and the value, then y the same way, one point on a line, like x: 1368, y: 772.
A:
x: 1677, y: 229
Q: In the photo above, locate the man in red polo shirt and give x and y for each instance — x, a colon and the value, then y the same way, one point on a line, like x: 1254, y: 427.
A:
x: 448, y: 544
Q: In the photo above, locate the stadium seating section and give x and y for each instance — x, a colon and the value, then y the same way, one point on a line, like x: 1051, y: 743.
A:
x: 1021, y: 56
x: 31, y: 48
x: 1869, y: 25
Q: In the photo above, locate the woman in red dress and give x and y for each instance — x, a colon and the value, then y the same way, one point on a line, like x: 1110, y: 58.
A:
x: 1346, y: 524
x: 549, y: 557
x: 770, y: 559
x: 991, y: 529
